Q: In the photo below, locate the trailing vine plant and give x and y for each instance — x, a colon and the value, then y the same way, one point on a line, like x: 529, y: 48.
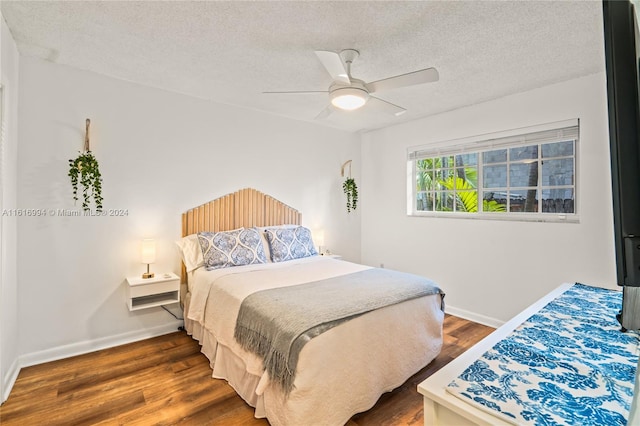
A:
x: 84, y: 172
x: 351, y: 190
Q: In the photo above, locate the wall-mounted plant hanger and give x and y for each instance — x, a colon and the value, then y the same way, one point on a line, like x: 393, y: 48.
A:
x: 350, y: 188
x: 346, y: 163
x: 84, y: 170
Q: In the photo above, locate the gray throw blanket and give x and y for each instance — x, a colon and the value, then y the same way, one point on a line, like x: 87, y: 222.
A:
x: 275, y: 324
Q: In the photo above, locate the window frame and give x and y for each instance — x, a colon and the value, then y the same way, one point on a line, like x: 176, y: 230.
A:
x: 568, y: 130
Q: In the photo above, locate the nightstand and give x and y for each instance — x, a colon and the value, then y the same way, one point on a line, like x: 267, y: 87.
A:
x: 162, y: 289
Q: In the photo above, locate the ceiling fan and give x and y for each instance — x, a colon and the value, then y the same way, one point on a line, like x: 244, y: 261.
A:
x: 348, y: 93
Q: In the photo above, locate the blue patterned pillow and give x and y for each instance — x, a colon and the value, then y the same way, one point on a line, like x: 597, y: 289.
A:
x: 290, y: 243
x: 231, y: 248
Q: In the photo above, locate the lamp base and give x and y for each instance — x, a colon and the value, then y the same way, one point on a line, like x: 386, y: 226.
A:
x: 148, y: 275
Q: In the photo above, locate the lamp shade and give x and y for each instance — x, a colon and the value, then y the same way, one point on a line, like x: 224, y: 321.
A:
x: 318, y: 238
x: 148, y: 251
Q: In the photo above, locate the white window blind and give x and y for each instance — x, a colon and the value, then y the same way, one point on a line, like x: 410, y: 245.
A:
x: 489, y: 143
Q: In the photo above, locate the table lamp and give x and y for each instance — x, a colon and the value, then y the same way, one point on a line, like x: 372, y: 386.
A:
x: 148, y: 249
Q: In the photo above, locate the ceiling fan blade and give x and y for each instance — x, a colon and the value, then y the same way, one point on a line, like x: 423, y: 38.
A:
x: 325, y: 113
x: 334, y: 65
x: 386, y: 106
x: 427, y: 75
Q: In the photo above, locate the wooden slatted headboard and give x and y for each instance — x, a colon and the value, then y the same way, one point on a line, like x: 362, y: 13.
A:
x: 244, y: 208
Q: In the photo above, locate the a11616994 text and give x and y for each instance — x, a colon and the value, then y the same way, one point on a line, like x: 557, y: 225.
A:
x: 64, y: 213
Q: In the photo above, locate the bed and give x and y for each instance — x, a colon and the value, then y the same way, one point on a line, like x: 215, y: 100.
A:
x: 341, y: 370
x: 455, y: 395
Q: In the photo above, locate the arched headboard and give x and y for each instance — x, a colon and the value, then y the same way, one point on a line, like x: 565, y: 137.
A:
x: 244, y: 208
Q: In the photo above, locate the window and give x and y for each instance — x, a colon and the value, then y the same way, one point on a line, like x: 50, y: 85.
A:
x: 529, y: 176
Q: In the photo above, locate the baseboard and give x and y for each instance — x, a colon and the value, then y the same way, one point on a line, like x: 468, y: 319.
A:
x: 80, y: 348
x: 472, y: 316
x: 9, y: 380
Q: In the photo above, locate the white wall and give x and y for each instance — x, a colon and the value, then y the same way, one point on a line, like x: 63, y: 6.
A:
x: 160, y: 153
x: 491, y: 270
x: 8, y: 232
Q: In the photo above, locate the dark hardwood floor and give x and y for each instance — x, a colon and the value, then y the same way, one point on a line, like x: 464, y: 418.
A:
x: 167, y: 381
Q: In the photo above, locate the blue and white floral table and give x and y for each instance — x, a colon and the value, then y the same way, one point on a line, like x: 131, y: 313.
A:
x: 562, y: 361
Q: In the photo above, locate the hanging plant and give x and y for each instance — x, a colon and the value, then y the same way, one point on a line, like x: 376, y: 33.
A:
x: 351, y: 190
x: 84, y: 171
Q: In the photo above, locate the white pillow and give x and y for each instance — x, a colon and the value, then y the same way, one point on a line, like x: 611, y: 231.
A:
x: 191, y: 252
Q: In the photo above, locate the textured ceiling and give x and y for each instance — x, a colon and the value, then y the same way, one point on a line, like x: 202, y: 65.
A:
x: 231, y: 52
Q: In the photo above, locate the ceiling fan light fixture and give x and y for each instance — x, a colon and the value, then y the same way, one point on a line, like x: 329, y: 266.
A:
x: 349, y: 98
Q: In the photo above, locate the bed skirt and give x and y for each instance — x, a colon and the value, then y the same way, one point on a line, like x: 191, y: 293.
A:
x: 225, y: 365
x: 331, y: 385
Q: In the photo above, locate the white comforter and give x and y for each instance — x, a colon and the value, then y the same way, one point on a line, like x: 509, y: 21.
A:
x: 341, y: 372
